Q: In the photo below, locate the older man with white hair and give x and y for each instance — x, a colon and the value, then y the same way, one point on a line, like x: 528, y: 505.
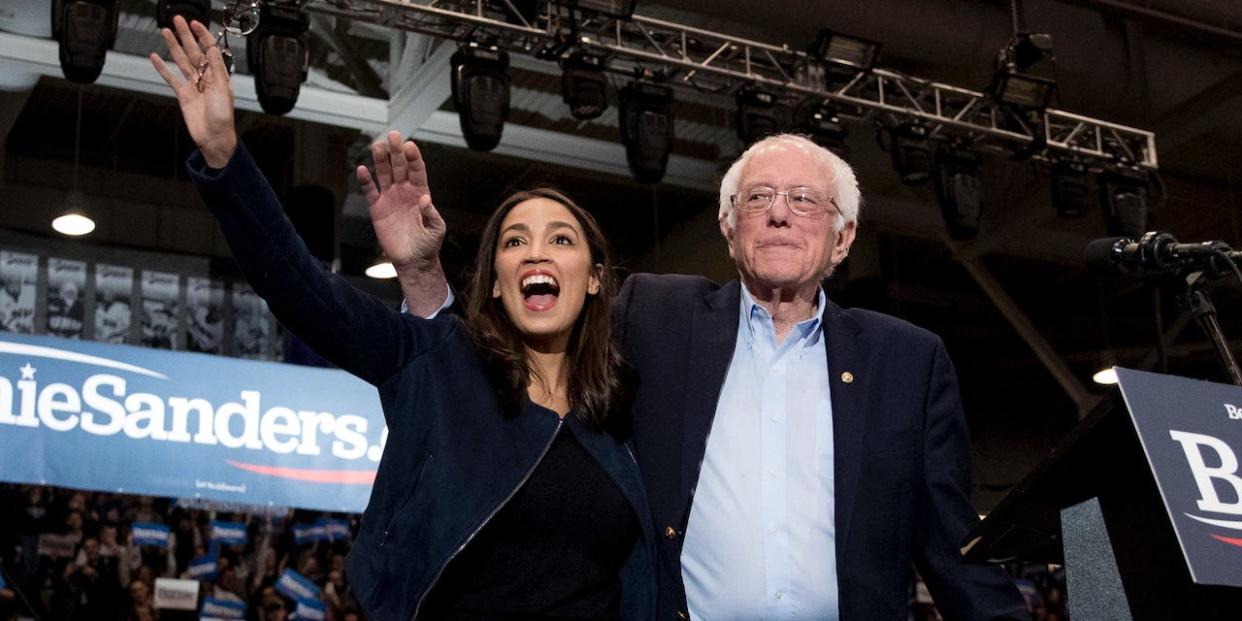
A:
x: 799, y: 457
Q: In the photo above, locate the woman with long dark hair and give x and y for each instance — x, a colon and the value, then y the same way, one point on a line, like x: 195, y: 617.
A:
x: 505, y: 490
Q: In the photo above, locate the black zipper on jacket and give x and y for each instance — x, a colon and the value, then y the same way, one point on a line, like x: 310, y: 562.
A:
x: 423, y: 596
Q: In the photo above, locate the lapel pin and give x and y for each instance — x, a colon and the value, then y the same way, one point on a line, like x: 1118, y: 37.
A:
x: 847, y: 377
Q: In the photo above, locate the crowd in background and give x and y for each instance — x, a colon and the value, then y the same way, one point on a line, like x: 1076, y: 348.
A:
x: 105, y: 576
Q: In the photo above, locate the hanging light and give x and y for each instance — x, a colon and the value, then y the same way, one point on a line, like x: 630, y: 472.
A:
x: 74, y: 220
x: 1107, y: 375
x: 381, y: 269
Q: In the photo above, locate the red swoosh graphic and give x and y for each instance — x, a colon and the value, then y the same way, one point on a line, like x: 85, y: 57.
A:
x: 1229, y: 540
x: 346, y: 477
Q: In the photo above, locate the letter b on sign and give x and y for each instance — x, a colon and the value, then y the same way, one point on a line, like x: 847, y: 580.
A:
x: 1235, y: 412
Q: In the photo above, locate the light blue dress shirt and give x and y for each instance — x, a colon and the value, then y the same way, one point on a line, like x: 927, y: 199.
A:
x: 760, y: 543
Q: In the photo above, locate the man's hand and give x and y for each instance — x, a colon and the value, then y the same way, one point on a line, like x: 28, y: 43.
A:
x: 409, y: 229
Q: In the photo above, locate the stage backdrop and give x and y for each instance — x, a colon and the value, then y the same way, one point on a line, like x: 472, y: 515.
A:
x: 142, y: 421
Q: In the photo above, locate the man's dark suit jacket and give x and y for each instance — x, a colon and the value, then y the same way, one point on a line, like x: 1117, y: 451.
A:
x: 902, y: 453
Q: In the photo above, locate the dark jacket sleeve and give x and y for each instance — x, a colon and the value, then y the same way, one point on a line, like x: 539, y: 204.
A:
x: 349, y: 328
x: 962, y: 589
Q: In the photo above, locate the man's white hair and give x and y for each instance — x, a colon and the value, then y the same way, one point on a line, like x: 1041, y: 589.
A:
x: 841, y: 176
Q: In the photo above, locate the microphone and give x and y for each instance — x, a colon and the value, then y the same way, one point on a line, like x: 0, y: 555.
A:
x: 1158, y: 252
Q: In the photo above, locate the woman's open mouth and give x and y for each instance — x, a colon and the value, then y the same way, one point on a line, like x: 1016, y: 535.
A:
x: 539, y: 291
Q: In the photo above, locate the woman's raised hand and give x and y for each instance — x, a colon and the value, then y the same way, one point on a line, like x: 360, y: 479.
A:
x: 205, y: 97
x: 407, y: 225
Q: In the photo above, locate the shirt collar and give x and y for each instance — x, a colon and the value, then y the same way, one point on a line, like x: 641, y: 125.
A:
x: 753, y: 316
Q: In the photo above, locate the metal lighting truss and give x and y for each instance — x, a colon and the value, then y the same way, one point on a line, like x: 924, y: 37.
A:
x: 708, y: 61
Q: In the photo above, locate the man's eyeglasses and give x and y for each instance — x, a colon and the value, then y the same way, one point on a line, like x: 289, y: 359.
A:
x: 240, y: 17
x: 802, y: 201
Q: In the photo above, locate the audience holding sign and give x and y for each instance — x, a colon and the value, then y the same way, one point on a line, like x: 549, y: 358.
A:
x: 96, y: 556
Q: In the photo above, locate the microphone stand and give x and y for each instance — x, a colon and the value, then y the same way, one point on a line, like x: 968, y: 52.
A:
x: 1195, y: 300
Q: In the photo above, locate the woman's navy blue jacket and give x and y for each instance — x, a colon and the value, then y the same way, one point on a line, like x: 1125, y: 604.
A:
x: 452, y: 458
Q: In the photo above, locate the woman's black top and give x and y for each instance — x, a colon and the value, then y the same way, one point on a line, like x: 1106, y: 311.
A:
x: 554, y: 551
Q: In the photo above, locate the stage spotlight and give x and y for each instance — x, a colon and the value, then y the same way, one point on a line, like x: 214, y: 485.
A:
x: 843, y: 49
x: 85, y: 30
x: 959, y: 190
x: 191, y: 10
x: 1123, y: 199
x: 1071, y: 189
x: 278, y: 56
x: 583, y: 86
x: 819, y: 120
x: 1023, y: 76
x: 647, y: 129
x: 381, y: 268
x: 481, y: 93
x: 911, y: 150
x: 756, y: 114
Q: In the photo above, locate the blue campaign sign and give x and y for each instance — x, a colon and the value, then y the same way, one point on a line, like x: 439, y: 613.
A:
x: 185, y: 425
x: 150, y: 534
x: 3, y: 584
x: 310, y: 610
x: 220, y: 608
x: 228, y: 533
x: 336, y: 530
x: 1191, y: 432
x: 203, y: 568
x: 310, y: 532
x: 297, y: 587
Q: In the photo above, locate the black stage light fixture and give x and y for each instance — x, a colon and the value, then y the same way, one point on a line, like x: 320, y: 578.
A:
x: 1071, y: 189
x: 1023, y: 77
x: 820, y: 121
x: 959, y: 191
x: 854, y: 52
x: 85, y: 30
x: 278, y: 55
x: 583, y: 85
x: 912, y: 153
x: 647, y: 129
x: 1124, y: 201
x: 619, y: 9
x: 191, y: 10
x: 756, y: 114
x: 481, y: 93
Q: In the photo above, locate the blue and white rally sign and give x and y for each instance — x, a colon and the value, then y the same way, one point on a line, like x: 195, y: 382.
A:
x: 150, y: 534
x: 1191, y: 432
x: 297, y: 587
x: 228, y: 533
x: 118, y: 418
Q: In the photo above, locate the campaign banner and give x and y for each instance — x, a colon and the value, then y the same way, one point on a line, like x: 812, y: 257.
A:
x: 160, y: 291
x: 66, y: 285
x: 310, y: 610
x: 296, y: 586
x: 310, y: 532
x: 337, y: 530
x: 203, y: 568
x: 204, y: 305
x: 220, y: 608
x: 1191, y: 431
x: 176, y: 594
x: 150, y: 534
x: 19, y: 276
x: 114, y: 287
x: 3, y: 584
x: 228, y: 533
x: 91, y: 415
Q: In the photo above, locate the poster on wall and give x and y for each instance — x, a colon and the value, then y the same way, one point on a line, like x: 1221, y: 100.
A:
x: 159, y: 309
x: 204, y: 302
x: 250, y: 323
x: 114, y: 286
x: 19, y: 274
x: 66, y: 284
